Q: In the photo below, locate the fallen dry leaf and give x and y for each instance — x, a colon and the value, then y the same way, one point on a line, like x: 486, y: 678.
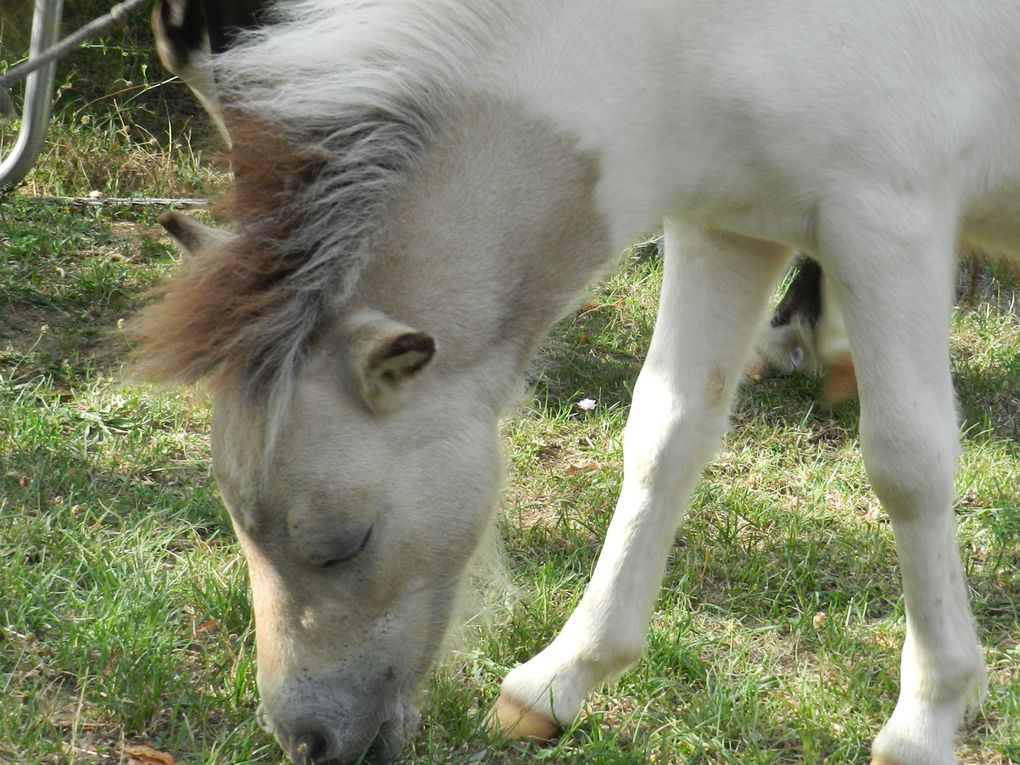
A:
x: 210, y: 625
x: 146, y: 755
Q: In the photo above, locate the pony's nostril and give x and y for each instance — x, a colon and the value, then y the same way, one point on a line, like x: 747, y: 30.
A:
x: 310, y: 748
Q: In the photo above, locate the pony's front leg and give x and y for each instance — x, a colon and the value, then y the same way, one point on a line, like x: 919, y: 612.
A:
x: 715, y: 289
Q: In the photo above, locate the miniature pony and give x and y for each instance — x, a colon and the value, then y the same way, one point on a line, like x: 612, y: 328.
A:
x: 424, y: 186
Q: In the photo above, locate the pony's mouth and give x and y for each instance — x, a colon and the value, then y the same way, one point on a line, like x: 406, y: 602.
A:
x: 346, y: 746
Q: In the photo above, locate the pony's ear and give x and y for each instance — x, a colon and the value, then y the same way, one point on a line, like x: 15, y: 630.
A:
x: 385, y: 355
x: 190, y: 235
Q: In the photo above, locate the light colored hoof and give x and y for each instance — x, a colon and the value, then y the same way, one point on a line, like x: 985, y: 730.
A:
x: 513, y: 720
x: 880, y: 760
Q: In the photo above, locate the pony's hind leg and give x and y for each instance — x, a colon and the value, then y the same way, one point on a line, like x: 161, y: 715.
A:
x: 892, y: 263
x: 715, y: 288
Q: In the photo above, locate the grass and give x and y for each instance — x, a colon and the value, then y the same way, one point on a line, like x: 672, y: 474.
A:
x: 124, y: 614
x: 123, y: 599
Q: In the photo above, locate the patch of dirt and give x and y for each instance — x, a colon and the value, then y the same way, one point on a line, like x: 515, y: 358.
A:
x: 47, y: 334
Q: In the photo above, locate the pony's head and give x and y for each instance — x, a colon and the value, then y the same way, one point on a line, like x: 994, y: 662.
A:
x: 355, y: 545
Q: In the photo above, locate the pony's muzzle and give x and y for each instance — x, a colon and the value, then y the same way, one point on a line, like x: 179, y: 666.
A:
x: 309, y: 742
x: 344, y: 739
x: 320, y: 747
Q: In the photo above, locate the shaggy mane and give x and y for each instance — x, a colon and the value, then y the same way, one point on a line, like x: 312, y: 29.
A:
x: 330, y: 109
x: 230, y: 305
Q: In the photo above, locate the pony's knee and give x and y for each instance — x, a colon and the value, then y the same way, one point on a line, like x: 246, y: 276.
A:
x: 667, y: 425
x: 654, y: 452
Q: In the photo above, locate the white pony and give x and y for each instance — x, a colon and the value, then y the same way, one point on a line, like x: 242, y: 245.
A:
x: 423, y: 186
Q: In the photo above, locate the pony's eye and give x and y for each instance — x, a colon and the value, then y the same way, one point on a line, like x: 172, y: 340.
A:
x: 343, y: 549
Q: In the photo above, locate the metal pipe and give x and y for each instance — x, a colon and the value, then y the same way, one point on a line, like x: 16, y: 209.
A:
x: 38, y: 96
x: 116, y: 16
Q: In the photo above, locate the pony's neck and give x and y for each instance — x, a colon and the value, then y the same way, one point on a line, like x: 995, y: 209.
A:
x: 504, y: 208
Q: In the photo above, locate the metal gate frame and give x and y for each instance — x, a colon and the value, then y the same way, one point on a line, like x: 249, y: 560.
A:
x: 38, y: 95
